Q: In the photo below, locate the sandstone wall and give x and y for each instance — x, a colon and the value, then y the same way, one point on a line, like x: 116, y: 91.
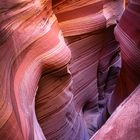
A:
x: 59, y: 66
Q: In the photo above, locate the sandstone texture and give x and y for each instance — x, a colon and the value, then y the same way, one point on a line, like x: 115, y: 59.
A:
x: 65, y: 66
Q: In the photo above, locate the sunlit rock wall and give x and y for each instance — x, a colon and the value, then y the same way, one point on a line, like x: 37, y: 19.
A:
x: 124, y: 122
x: 59, y: 85
x: 31, y: 44
x: 128, y: 35
x: 88, y: 28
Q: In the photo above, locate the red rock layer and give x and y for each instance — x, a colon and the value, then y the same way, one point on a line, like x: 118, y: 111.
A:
x: 107, y: 73
x: 84, y: 25
x: 34, y: 71
x: 128, y: 35
x: 31, y: 44
x: 124, y: 124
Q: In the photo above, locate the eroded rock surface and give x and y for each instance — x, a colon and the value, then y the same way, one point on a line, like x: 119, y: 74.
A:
x: 88, y: 28
x: 31, y: 45
x: 59, y: 65
x: 124, y: 124
x: 128, y: 35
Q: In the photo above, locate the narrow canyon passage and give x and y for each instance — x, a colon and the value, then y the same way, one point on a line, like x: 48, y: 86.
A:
x: 69, y: 70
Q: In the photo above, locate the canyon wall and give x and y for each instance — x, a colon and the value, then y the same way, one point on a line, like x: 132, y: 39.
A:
x: 31, y: 45
x: 128, y: 35
x: 124, y: 122
x: 88, y: 28
x: 59, y: 67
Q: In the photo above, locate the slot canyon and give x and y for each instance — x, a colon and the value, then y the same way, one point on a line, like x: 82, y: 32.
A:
x: 69, y: 70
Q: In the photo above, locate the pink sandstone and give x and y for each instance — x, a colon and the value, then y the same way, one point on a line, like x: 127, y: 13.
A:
x: 64, y: 71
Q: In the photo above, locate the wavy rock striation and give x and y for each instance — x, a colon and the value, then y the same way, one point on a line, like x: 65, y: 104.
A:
x: 126, y: 115
x: 31, y: 45
x: 59, y: 85
x: 88, y: 28
x: 129, y: 43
